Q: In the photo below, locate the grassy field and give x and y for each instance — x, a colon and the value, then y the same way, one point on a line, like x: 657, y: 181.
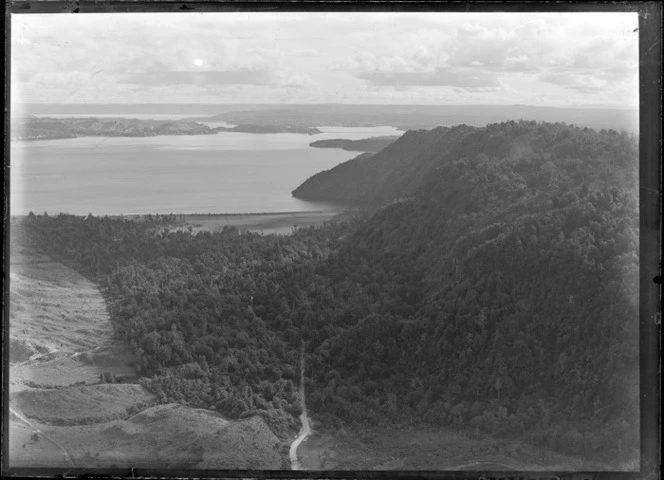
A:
x: 61, y: 416
x: 52, y: 308
x: 60, y: 369
x: 94, y: 403
x: 164, y: 436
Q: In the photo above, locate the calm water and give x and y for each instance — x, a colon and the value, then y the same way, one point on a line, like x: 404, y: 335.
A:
x: 227, y: 172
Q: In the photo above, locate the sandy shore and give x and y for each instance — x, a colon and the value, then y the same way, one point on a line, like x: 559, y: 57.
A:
x: 281, y: 223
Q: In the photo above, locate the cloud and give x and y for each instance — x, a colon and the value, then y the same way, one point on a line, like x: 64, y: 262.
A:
x: 441, y: 77
x: 307, y: 52
x: 418, y: 57
x: 261, y: 77
x: 509, y: 50
x: 580, y: 83
x: 294, y: 79
x: 247, y: 77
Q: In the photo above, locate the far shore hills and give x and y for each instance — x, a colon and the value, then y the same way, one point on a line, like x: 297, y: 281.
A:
x: 35, y: 121
x: 43, y: 128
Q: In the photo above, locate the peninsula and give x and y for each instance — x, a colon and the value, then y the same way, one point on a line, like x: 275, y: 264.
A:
x: 42, y: 128
x: 372, y: 144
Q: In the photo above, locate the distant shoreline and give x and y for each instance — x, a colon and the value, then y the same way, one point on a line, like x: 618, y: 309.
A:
x: 273, y: 222
x: 180, y: 214
x: 267, y: 222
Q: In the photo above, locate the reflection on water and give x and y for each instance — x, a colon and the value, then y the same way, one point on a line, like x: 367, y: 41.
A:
x: 227, y: 172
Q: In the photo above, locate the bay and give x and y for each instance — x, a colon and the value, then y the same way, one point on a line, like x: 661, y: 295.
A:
x: 223, y: 173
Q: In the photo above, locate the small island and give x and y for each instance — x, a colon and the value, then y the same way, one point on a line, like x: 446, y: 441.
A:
x: 372, y: 144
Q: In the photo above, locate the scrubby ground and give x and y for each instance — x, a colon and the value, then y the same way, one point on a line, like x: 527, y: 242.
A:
x: 62, y: 369
x: 163, y: 436
x: 94, y: 403
x: 53, y: 309
x: 61, y: 344
x: 425, y: 449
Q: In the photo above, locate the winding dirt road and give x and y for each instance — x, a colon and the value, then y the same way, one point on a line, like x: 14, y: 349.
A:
x: 305, y: 430
x: 65, y: 453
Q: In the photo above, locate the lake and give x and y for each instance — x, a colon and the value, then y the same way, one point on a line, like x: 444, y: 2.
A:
x: 223, y: 173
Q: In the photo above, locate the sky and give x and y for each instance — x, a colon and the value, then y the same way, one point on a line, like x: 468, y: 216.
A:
x: 542, y: 59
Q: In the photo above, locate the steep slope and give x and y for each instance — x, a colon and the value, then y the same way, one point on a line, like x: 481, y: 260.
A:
x: 502, y: 298
x: 396, y: 171
x: 371, y: 144
x: 401, y: 169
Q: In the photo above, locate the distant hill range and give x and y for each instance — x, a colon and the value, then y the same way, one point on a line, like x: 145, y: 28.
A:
x: 407, y: 117
x: 35, y: 128
x: 316, y: 115
x: 372, y: 144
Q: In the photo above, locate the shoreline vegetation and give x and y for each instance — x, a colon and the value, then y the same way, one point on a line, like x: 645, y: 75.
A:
x: 279, y: 222
x: 257, y: 222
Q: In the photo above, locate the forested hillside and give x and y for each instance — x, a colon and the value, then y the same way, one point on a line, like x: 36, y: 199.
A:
x: 210, y: 315
x: 502, y: 297
x: 493, y: 288
x: 400, y: 169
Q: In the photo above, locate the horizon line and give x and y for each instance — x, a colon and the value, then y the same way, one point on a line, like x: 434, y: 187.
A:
x: 584, y: 106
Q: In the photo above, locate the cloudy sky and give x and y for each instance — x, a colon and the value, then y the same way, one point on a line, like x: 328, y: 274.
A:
x: 554, y: 59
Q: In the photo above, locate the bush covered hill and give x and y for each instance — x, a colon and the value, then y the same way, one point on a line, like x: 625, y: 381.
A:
x: 371, y: 144
x: 491, y: 288
x: 35, y: 128
x: 502, y: 296
x: 400, y: 169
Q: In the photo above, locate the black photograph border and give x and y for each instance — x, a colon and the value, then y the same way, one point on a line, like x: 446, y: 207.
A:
x: 650, y: 135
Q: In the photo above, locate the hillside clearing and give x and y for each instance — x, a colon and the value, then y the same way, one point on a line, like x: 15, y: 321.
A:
x: 93, y: 403
x: 164, y: 436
